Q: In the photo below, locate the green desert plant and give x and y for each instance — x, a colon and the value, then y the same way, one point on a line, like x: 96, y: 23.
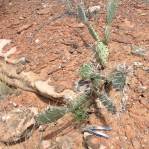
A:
x: 69, y: 6
x: 78, y: 107
x: 98, y: 90
x: 82, y: 13
x: 118, y: 79
x: 50, y: 115
x: 97, y: 87
x: 111, y: 12
x: 101, y: 49
x: 80, y: 114
x: 102, y: 53
x: 79, y: 102
x: 107, y: 102
x: 86, y: 71
x: 92, y: 32
x: 98, y: 83
x: 107, y: 34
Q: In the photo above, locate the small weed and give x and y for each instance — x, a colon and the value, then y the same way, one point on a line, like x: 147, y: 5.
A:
x: 80, y: 114
x: 79, y: 107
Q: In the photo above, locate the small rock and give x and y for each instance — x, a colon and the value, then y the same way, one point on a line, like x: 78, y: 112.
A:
x: 15, y: 124
x: 14, y: 104
x: 93, y: 142
x: 82, y: 86
x: 142, y: 89
x: 138, y: 64
x: 22, y: 61
x: 24, y: 27
x: 34, y: 110
x: 102, y: 146
x: 37, y: 41
x: 69, y: 95
x: 94, y: 10
x: 42, y: 128
x: 43, y: 11
x: 136, y: 143
x: 10, y: 4
x: 86, y: 134
x: 71, y: 50
x: 65, y: 142
x: 146, y: 69
x: 79, y: 25
x: 3, y: 43
x: 44, y: 5
x: 138, y: 51
x: 46, y: 144
x: 21, y: 18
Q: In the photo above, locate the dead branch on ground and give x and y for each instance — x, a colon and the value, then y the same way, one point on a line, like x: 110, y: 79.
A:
x: 29, y: 81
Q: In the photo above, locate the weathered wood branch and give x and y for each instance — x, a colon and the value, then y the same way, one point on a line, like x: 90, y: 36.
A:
x: 30, y: 81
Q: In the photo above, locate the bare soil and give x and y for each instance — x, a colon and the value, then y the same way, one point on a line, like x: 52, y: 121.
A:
x: 55, y: 44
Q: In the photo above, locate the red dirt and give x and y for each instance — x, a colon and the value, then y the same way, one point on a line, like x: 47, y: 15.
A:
x: 54, y: 44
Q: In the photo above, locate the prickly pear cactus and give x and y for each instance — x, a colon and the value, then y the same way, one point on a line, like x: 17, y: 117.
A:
x: 102, y: 53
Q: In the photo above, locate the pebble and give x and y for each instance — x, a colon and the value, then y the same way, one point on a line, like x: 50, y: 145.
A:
x: 94, y: 10
x: 46, y: 144
x: 37, y: 41
x: 137, y: 64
